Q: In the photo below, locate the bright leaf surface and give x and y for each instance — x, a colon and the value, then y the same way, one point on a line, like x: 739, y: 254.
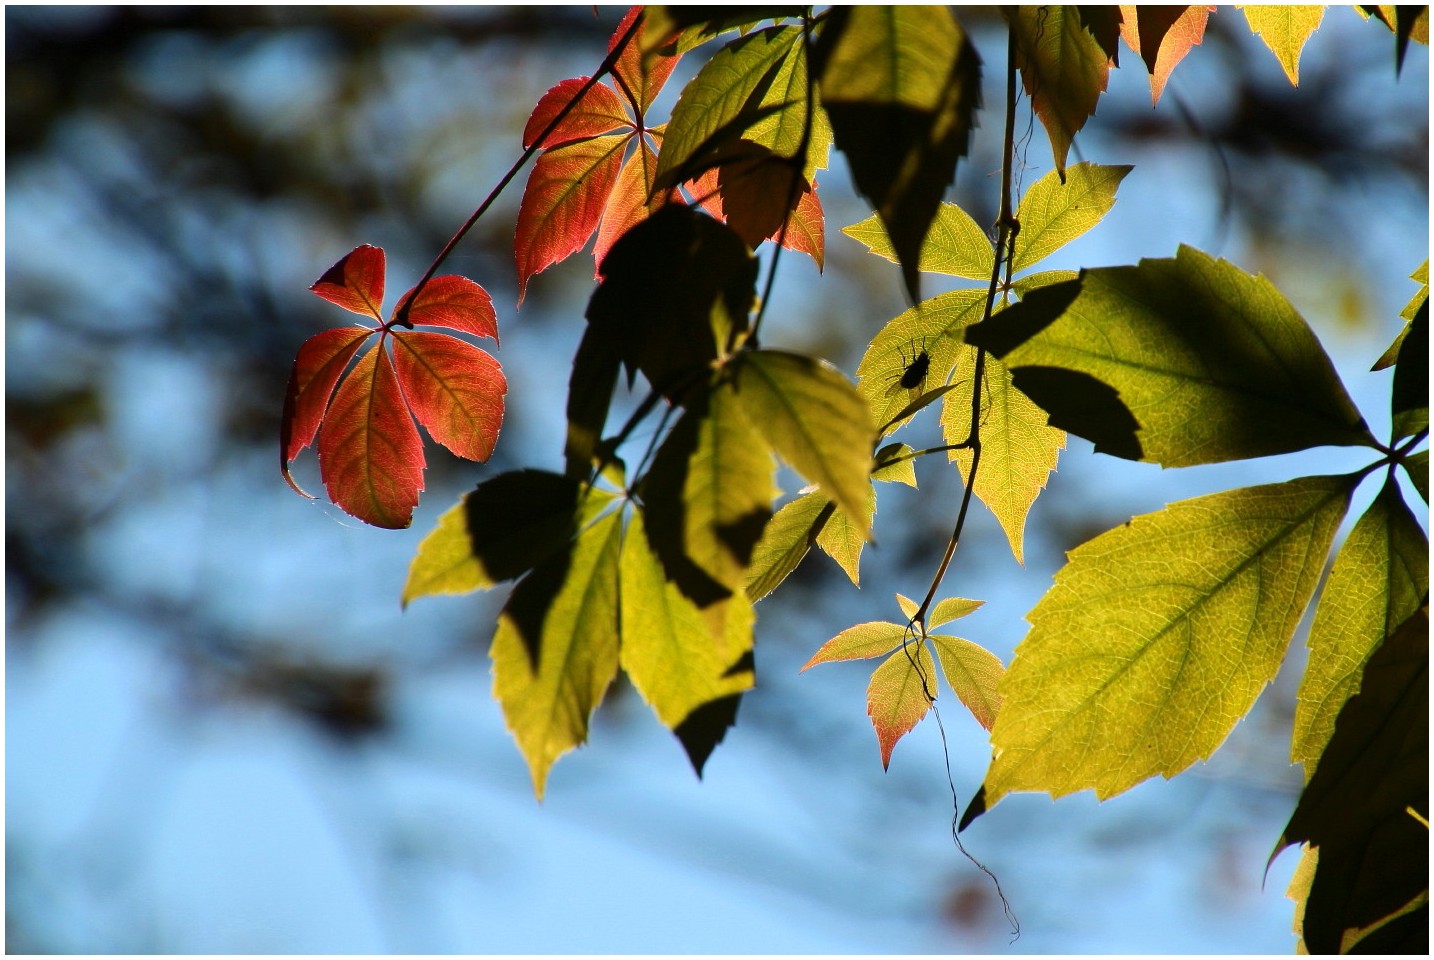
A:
x: 1379, y: 579
x: 814, y: 419
x: 321, y: 361
x: 901, y: 86
x: 861, y: 642
x: 952, y: 608
x: 1063, y: 68
x: 899, y: 695
x: 1162, y: 36
x: 453, y: 388
x: 356, y: 281
x: 599, y: 111
x: 785, y: 541
x: 955, y: 244
x: 973, y: 673
x: 556, y: 647
x: 1285, y: 30
x: 1178, y: 362
x: 842, y: 538
x: 1053, y: 213
x: 1157, y: 637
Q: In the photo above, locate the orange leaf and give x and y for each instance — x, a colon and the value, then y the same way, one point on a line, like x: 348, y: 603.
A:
x: 370, y: 454
x: 748, y: 196
x: 643, y: 76
x: 564, y: 201
x: 318, y: 366
x: 453, y: 388
x: 897, y: 696
x: 355, y: 282
x: 629, y: 205
x: 599, y: 111
x: 456, y: 303
x: 1162, y: 36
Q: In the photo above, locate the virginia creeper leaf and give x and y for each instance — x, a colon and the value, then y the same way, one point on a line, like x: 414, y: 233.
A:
x: 370, y: 454
x: 1373, y: 855
x: 973, y: 674
x: 1284, y: 29
x: 842, y: 537
x: 563, y: 202
x: 1379, y: 579
x: 1064, y: 70
x: 556, y: 647
x: 699, y: 23
x: 812, y: 416
x: 751, y: 192
x: 1406, y: 20
x: 648, y: 59
x: 1162, y: 36
x: 899, y: 695
x: 1157, y: 636
x: 355, y: 282
x: 1053, y: 213
x: 785, y: 541
x: 861, y: 642
x: 632, y: 199
x: 893, y: 464
x: 600, y: 111
x: 500, y: 531
x: 590, y: 388
x: 453, y: 302
x: 1034, y: 281
x: 1178, y: 362
x: 901, y: 86
x: 952, y: 608
x: 1019, y: 449
x: 1417, y: 466
x: 954, y: 245
x: 668, y: 651
x: 453, y: 388
x: 1411, y: 309
x: 317, y: 368
x: 1409, y: 398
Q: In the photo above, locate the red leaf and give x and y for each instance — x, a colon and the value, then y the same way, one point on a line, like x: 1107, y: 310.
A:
x: 453, y: 388
x: 599, y: 111
x: 563, y: 202
x: 628, y: 205
x: 1162, y: 36
x: 355, y: 282
x: 456, y: 303
x: 318, y: 366
x: 644, y: 79
x: 747, y: 197
x: 806, y: 229
x: 370, y: 453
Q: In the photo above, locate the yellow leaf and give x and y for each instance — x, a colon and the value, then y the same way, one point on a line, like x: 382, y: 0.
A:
x: 1285, y: 30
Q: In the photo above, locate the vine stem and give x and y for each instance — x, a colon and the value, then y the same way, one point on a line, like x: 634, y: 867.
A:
x: 606, y: 67
x: 1007, y: 226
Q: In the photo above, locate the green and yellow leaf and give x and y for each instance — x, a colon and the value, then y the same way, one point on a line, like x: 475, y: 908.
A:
x: 1053, y: 213
x: 973, y: 673
x: 1063, y: 68
x: 785, y: 541
x: 955, y: 244
x: 861, y: 642
x: 899, y: 695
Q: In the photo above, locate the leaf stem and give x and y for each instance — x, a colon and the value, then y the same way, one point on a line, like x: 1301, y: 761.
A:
x: 401, y: 317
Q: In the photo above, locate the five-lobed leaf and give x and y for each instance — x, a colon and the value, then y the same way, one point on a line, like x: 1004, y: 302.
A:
x: 1128, y: 669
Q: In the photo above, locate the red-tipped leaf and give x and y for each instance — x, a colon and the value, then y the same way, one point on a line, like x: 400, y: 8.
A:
x: 453, y: 388
x: 599, y: 111
x: 355, y: 282
x: 317, y: 368
x: 456, y: 303
x: 370, y: 453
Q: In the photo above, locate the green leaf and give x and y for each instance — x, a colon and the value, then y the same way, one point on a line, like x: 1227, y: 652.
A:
x: 935, y: 329
x: 1379, y: 579
x: 1018, y: 448
x: 1285, y: 30
x: 707, y: 496
x: 1178, y: 362
x: 785, y: 541
x: 1158, y: 635
x: 683, y: 671
x: 1417, y: 466
x: 861, y: 642
x: 556, y: 647
x: 1411, y: 309
x: 1373, y: 856
x: 1052, y: 213
x: 1063, y: 68
x: 1409, y: 398
x: 1034, y: 281
x: 952, y: 608
x: 955, y: 244
x: 901, y: 86
x: 500, y: 531
x: 842, y: 537
x: 973, y: 673
x: 899, y: 695
x: 812, y: 416
x: 893, y: 464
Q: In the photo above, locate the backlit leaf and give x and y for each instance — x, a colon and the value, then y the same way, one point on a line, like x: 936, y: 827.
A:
x: 955, y: 244
x: 901, y: 86
x: 453, y: 388
x: 812, y: 416
x: 842, y: 538
x: 1409, y: 397
x: 1379, y: 579
x: 1410, y: 311
x: 785, y: 541
x: 500, y: 531
x: 973, y: 673
x: 1417, y: 466
x: 453, y: 302
x: 317, y: 368
x: 355, y: 282
x: 370, y: 454
x: 1158, y: 635
x: 893, y: 463
x: 600, y: 111
x: 899, y: 695
x: 648, y: 59
x: 861, y: 642
x: 1284, y: 29
x: 1064, y: 70
x: 563, y: 202
x: 1180, y: 361
x: 1408, y: 21
x: 631, y: 200
x: 1019, y: 449
x: 1053, y: 213
x: 675, y: 662
x: 556, y: 647
x: 952, y: 608
x: 590, y: 387
x: 1162, y: 36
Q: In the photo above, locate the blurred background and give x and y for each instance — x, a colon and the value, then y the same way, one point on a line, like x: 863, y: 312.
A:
x: 223, y: 734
